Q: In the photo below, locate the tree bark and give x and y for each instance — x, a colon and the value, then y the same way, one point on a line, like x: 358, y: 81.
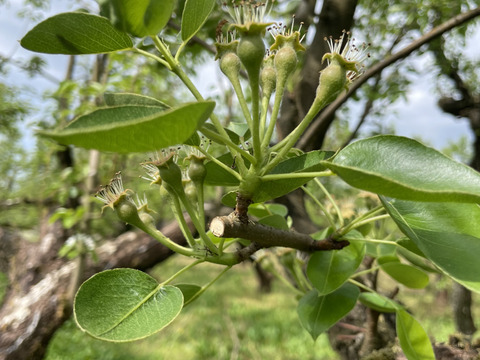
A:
x: 37, y: 303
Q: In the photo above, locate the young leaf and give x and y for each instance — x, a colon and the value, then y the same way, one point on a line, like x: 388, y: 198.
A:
x: 413, y: 338
x: 405, y: 169
x: 119, y: 99
x: 319, y: 313
x: 407, y: 275
x: 138, y: 17
x: 328, y: 270
x: 125, y: 305
x: 195, y: 13
x: 75, y: 33
x: 129, y: 128
x: 448, y: 234
x: 378, y: 302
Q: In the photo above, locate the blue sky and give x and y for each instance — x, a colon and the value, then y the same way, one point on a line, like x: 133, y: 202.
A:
x: 419, y: 115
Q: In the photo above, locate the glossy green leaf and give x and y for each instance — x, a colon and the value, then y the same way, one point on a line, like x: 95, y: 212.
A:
x: 195, y: 13
x: 413, y: 339
x: 308, y: 162
x: 405, y: 169
x: 188, y: 291
x: 447, y: 233
x: 378, y: 302
x: 119, y: 99
x: 138, y: 17
x: 317, y: 313
x: 328, y: 270
x: 133, y: 128
x: 407, y: 275
x: 75, y: 33
x: 124, y: 305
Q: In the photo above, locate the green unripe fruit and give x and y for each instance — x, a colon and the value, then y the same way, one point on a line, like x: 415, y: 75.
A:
x: 197, y: 170
x: 171, y: 174
x: 285, y: 61
x: 268, y: 80
x: 230, y: 64
x: 251, y: 51
x: 127, y: 211
x: 333, y: 80
x: 191, y: 191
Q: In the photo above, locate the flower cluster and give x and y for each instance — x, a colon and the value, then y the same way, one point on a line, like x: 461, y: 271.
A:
x: 352, y: 55
x: 112, y: 193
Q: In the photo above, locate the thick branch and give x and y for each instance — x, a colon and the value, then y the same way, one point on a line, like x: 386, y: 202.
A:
x: 333, y: 107
x: 266, y: 236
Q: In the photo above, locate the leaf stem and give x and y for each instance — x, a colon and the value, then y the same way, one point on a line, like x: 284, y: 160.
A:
x: 152, y: 56
x: 313, y: 174
x: 361, y: 286
x: 157, y: 235
x: 177, y: 211
x: 363, y: 219
x: 205, y: 287
x: 321, y: 206
x: 181, y: 271
x: 341, y: 221
x: 198, y: 225
x: 273, y: 118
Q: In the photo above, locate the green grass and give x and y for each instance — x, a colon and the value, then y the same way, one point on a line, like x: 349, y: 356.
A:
x: 232, y: 320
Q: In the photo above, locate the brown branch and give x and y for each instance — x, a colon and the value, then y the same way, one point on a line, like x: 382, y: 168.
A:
x: 264, y: 236
x: 379, y: 67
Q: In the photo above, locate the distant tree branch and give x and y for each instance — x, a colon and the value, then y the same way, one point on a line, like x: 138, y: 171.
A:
x: 328, y: 113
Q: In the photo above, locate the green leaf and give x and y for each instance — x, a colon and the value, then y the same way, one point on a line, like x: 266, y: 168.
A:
x: 448, y: 234
x: 119, y: 99
x: 413, y: 338
x: 405, y: 169
x: 378, y: 302
x: 195, y: 13
x: 218, y: 176
x: 262, y: 210
x: 138, y: 17
x: 133, y: 128
x: 276, y: 221
x: 188, y: 291
x: 125, y: 305
x: 319, y: 313
x: 308, y: 162
x: 328, y: 270
x: 75, y: 33
x: 407, y: 275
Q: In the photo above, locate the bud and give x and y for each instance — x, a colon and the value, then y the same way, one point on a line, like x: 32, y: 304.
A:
x: 251, y: 51
x: 268, y: 76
